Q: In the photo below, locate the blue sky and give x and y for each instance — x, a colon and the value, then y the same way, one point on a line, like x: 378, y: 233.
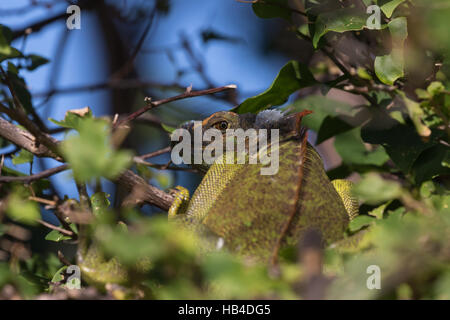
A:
x: 242, y: 63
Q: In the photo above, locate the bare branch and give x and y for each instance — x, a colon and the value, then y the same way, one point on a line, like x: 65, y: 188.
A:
x: 37, y: 176
x: 154, y: 153
x: 150, y: 194
x: 185, y: 95
x: 53, y: 227
x: 23, y: 139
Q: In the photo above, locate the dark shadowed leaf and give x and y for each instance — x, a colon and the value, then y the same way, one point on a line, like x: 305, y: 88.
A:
x: 292, y: 77
x: 272, y: 9
x: 346, y: 19
x: 330, y: 127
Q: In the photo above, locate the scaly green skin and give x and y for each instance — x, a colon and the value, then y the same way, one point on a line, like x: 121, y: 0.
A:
x: 254, y: 214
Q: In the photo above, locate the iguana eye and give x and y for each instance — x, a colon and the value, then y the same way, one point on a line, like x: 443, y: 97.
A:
x: 222, y: 125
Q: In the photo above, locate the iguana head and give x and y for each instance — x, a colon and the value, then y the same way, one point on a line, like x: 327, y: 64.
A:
x: 288, y: 125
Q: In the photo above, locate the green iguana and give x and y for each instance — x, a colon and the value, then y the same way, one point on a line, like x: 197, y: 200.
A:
x: 252, y: 214
x: 255, y: 215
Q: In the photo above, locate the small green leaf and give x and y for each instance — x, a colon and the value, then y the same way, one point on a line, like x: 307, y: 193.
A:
x: 359, y: 222
x: 168, y: 128
x: 363, y: 74
x: 373, y: 189
x: 389, y: 7
x: 91, y: 155
x: 352, y: 150
x: 22, y: 210
x: 23, y: 157
x: 73, y: 118
x: 379, y: 211
x: 292, y: 77
x: 435, y: 88
x: 56, y: 236
x: 321, y: 107
x: 58, y: 276
x: 6, y: 51
x: 390, y: 67
x: 36, y: 61
x: 342, y: 20
x: 416, y: 114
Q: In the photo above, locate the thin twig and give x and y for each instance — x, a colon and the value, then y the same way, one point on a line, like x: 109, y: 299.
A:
x: 154, y: 153
x: 53, y: 227
x: 185, y: 95
x: 44, y: 201
x: 137, y: 160
x: 34, y: 177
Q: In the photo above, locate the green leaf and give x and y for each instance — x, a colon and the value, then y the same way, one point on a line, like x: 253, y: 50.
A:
x: 435, y: 88
x: 24, y: 157
x: 56, y: 236
x: 342, y: 20
x: 168, y: 128
x: 91, y: 155
x: 352, y: 150
x: 22, y: 210
x: 36, y: 61
x: 321, y: 107
x: 416, y: 114
x: 359, y: 222
x: 292, y: 77
x: 330, y: 127
x: 401, y: 142
x: 59, y: 275
x: 389, y: 68
x: 373, y: 189
x: 6, y: 51
x: 268, y: 9
x: 389, y: 6
x: 73, y: 118
x: 431, y: 163
x: 21, y: 90
x: 379, y: 211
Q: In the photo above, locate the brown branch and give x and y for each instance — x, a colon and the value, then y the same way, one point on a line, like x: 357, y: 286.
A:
x: 38, y: 25
x: 128, y: 179
x: 185, y: 95
x: 114, y: 84
x: 53, y: 227
x: 154, y: 153
x: 34, y: 177
x: 23, y: 139
x: 149, y: 193
x: 138, y: 160
x: 18, y: 114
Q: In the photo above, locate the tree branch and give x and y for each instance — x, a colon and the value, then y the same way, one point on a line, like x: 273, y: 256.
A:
x: 185, y: 95
x: 37, y: 176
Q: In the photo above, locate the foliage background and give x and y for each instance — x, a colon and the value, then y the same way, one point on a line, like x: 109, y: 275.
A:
x: 381, y: 117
